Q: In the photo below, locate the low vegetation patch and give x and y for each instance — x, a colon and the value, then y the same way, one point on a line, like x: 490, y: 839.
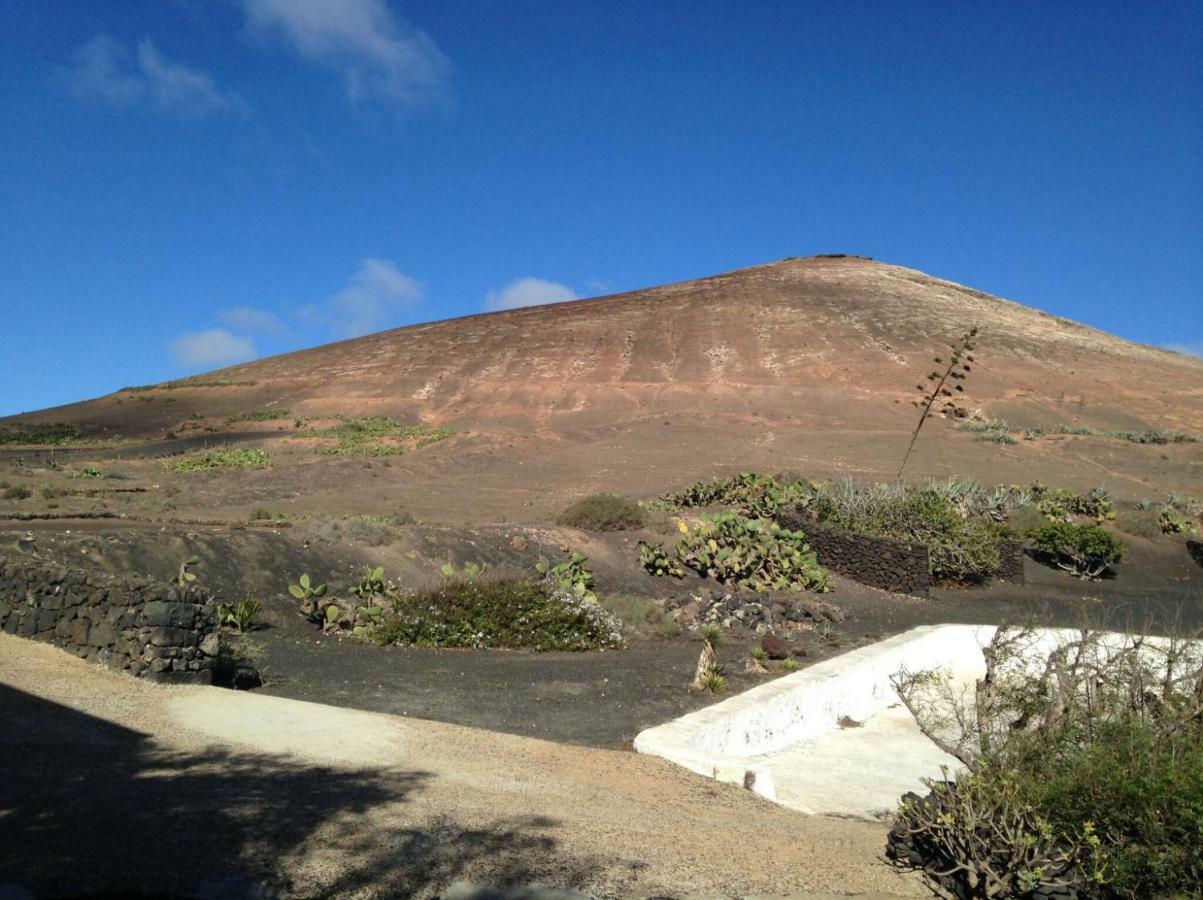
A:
x: 994, y: 431
x: 1084, y: 774
x: 603, y: 512
x: 755, y: 554
x: 189, y: 383
x: 1087, y: 551
x: 39, y: 433
x: 376, y: 436
x: 260, y: 415
x: 752, y: 493
x: 236, y: 458
x: 504, y: 613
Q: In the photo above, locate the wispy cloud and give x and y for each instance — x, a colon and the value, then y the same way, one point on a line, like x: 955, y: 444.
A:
x: 104, y: 69
x: 212, y: 348
x: 528, y: 292
x: 379, y: 56
x: 1194, y: 348
x: 373, y: 297
x: 254, y: 321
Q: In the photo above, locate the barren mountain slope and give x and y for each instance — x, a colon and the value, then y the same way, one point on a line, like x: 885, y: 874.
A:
x: 805, y: 363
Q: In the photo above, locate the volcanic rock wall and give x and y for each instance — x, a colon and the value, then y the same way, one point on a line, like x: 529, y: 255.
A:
x: 876, y: 561
x: 149, y: 629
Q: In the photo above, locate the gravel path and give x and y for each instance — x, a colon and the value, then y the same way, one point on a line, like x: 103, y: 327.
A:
x: 114, y: 785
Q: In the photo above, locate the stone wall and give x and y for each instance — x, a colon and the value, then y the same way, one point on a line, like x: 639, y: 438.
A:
x: 147, y: 628
x: 883, y: 562
x: 876, y: 561
x: 1011, y: 554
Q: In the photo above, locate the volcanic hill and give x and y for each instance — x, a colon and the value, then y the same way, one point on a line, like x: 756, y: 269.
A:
x: 804, y: 364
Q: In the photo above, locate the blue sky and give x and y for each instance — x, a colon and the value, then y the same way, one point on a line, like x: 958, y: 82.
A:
x: 185, y: 184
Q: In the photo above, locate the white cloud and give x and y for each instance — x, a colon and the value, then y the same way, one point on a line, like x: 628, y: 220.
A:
x: 528, y: 292
x: 370, y: 301
x: 378, y: 54
x: 212, y: 348
x: 258, y: 321
x: 1192, y: 349
x: 104, y: 69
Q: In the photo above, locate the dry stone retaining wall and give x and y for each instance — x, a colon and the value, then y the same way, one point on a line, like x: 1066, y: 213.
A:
x: 882, y: 562
x: 147, y: 628
x: 876, y: 561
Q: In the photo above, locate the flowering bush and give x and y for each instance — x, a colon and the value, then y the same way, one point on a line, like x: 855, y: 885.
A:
x: 503, y: 613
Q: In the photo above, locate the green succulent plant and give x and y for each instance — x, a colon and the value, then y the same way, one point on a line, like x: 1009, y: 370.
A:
x: 184, y: 577
x: 310, y: 596
x: 657, y: 561
x: 573, y: 575
x: 241, y: 615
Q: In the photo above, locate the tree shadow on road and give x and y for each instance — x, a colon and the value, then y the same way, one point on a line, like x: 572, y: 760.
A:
x: 90, y: 809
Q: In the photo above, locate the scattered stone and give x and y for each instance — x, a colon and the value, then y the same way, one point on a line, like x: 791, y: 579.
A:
x: 774, y: 647
x: 210, y: 644
x: 761, y: 614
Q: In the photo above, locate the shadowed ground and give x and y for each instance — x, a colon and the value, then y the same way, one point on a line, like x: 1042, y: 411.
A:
x: 114, y: 787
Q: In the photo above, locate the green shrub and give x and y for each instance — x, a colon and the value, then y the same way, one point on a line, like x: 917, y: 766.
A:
x: 240, y: 458
x: 506, y: 613
x: 1084, y: 771
x: 757, y: 554
x: 16, y: 492
x: 1171, y: 523
x: 1085, y: 550
x: 603, y: 512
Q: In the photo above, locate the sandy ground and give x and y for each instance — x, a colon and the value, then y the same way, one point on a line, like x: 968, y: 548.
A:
x: 113, y: 785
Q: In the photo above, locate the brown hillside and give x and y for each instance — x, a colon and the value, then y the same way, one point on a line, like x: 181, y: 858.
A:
x: 806, y: 364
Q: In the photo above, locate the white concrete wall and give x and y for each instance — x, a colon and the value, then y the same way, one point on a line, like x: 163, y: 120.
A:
x: 718, y: 741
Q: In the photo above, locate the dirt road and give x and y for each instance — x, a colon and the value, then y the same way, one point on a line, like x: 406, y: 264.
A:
x: 113, y: 785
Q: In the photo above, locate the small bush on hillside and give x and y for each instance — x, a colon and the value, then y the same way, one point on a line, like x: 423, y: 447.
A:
x: 16, y: 492
x: 505, y: 613
x: 1171, y: 523
x: 757, y: 554
x: 239, y: 458
x: 603, y: 512
x: 1084, y: 550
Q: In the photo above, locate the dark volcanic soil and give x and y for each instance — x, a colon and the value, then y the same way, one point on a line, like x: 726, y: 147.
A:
x: 595, y: 699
